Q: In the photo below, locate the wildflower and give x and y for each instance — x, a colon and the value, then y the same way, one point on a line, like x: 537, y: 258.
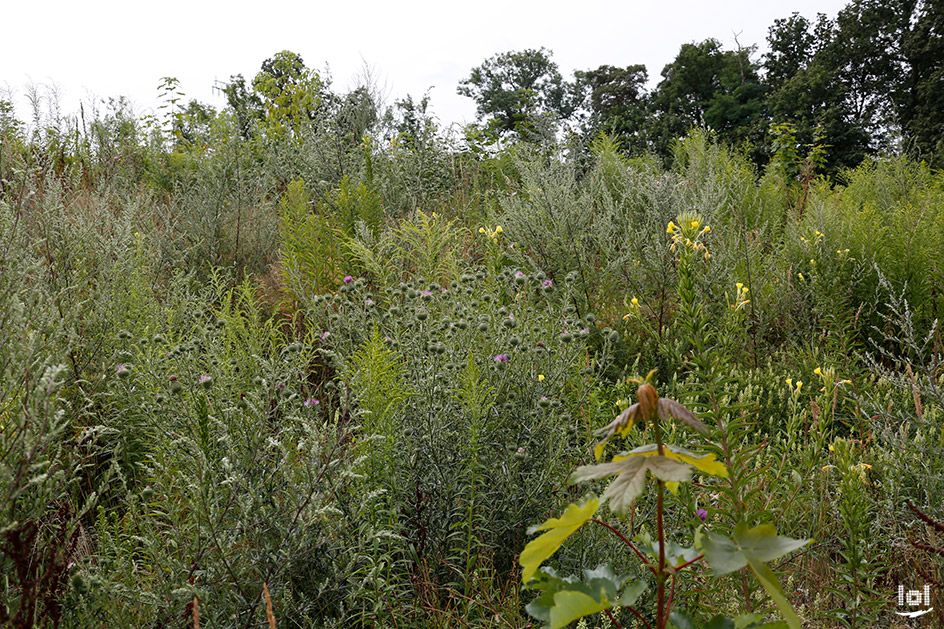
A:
x: 520, y: 450
x: 540, y: 377
x: 706, y: 229
x: 547, y: 284
x: 832, y: 448
x: 310, y: 402
x: 739, y: 286
x: 498, y: 229
x: 426, y: 294
x: 519, y: 274
x: 206, y: 381
x: 501, y: 358
x: 481, y: 230
x: 800, y: 275
x: 799, y: 386
x: 122, y: 371
x: 671, y: 228
x: 634, y: 301
x: 702, y: 515
x: 790, y: 382
x: 348, y: 279
x: 325, y: 335
x: 818, y: 371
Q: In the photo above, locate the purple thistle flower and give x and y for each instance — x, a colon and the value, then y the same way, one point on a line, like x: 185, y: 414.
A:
x: 702, y: 514
x: 501, y: 358
x: 324, y: 337
x: 519, y: 274
x: 310, y: 402
x: 205, y: 378
x: 547, y: 284
x: 120, y: 368
x: 348, y: 279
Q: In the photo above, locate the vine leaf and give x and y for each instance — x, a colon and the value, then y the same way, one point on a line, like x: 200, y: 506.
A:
x: 558, y: 530
x: 630, y: 475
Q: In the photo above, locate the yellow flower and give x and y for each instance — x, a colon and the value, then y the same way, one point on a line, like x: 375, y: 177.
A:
x: 707, y: 256
x: 818, y: 371
x: 706, y: 229
x: 831, y: 448
x: 540, y: 377
x: 799, y: 386
x: 498, y: 229
x: 865, y: 466
x: 625, y: 316
x: 739, y: 286
x: 671, y: 228
x: 634, y: 302
x: 790, y: 382
x: 481, y: 230
x: 800, y: 275
x: 695, y: 224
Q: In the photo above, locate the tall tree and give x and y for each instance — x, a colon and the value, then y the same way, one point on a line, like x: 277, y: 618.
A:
x: 617, y: 103
x: 520, y: 92
x: 707, y: 86
x: 919, y: 101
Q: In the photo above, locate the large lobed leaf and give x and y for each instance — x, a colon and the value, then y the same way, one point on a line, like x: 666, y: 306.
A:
x: 630, y: 475
x: 558, y: 530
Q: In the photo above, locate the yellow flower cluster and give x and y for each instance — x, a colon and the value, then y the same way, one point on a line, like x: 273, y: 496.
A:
x: 688, y: 232
x: 740, y: 299
x: 491, y: 234
x: 634, y: 304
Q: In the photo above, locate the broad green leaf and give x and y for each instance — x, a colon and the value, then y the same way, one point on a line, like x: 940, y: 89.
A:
x: 720, y: 622
x: 768, y: 579
x: 567, y: 599
x: 675, y: 554
x: 681, y: 619
x: 558, y: 530
x: 569, y: 605
x: 703, y: 462
x: 752, y: 547
x: 632, y: 593
x: 631, y: 477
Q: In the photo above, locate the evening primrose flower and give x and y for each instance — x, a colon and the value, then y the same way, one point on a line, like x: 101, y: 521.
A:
x: 671, y: 228
x: 540, y: 377
x: 818, y: 371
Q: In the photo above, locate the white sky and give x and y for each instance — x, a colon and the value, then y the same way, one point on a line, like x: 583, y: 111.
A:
x: 102, y: 48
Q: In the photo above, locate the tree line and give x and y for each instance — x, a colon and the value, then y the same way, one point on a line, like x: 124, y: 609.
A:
x: 870, y: 80
x: 828, y: 93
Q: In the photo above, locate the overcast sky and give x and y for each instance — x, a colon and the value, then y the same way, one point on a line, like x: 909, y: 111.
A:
x: 110, y: 48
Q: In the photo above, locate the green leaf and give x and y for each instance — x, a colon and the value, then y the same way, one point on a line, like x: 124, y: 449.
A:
x: 567, y: 599
x: 720, y: 622
x: 681, y: 619
x: 752, y: 547
x: 675, y: 554
x: 631, y: 477
x: 558, y: 530
x: 725, y: 555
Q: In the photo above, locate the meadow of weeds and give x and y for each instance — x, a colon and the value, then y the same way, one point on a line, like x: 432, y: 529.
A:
x: 323, y: 376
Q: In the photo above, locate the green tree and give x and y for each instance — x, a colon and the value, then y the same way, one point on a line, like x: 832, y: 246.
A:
x: 808, y: 92
x: 291, y: 93
x: 617, y: 103
x: 521, y: 92
x: 918, y: 101
x: 707, y: 86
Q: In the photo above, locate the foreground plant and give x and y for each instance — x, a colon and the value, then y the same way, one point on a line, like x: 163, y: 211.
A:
x: 565, y: 599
